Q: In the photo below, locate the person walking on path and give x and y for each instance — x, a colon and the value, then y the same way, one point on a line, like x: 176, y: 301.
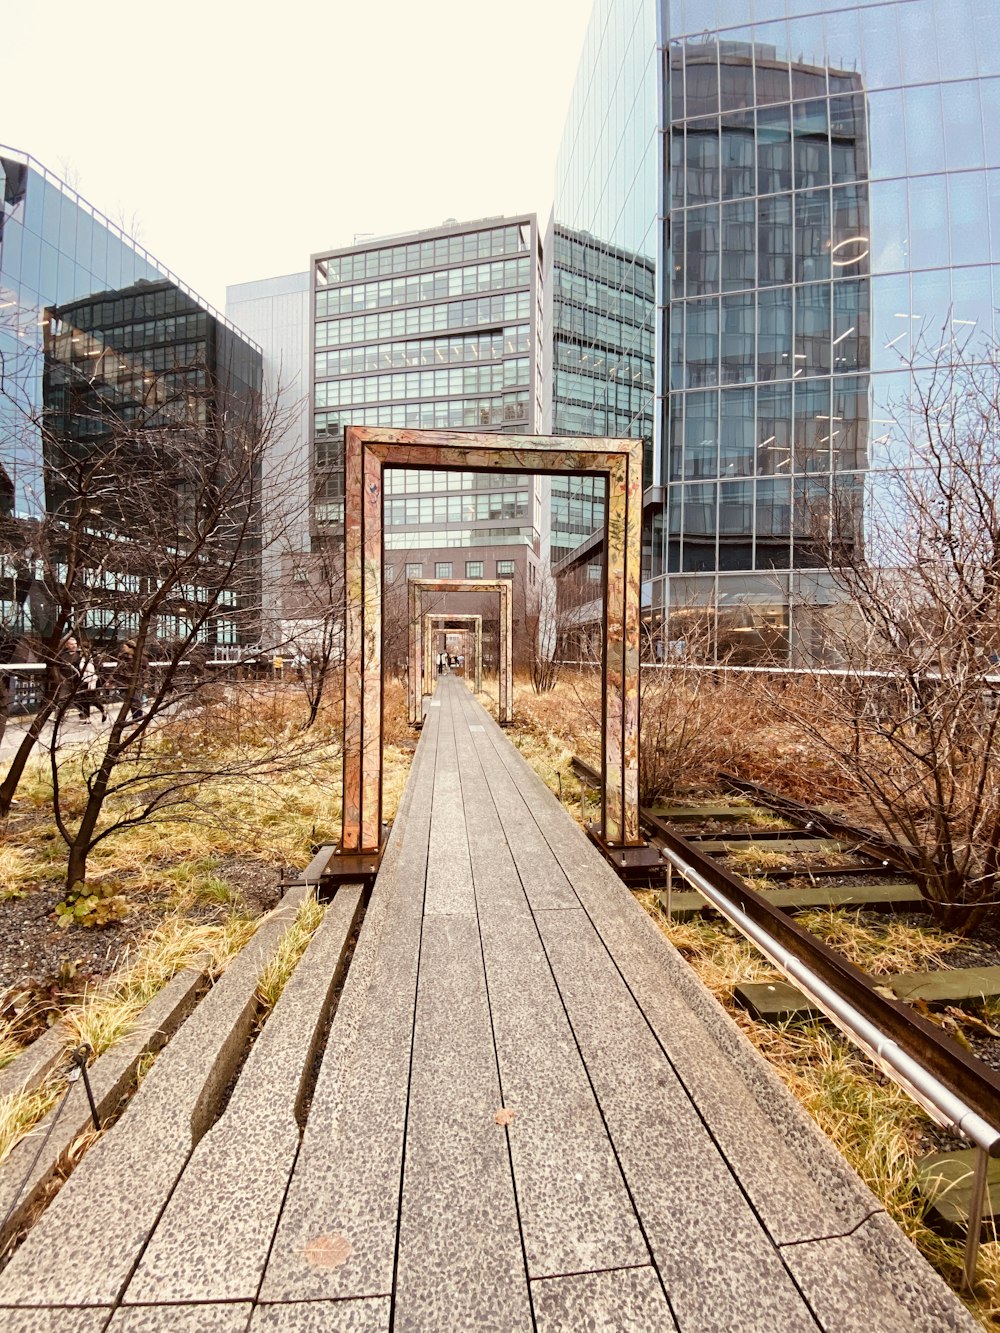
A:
x: 89, y: 695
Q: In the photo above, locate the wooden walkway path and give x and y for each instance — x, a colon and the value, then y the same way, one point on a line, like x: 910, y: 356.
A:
x: 529, y: 1115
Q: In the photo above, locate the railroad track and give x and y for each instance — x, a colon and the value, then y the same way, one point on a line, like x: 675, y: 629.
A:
x: 960, y: 1092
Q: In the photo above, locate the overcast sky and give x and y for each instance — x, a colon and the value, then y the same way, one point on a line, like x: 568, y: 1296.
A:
x: 237, y: 139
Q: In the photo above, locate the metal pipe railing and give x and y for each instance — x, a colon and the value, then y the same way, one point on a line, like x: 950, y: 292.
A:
x: 942, y: 1103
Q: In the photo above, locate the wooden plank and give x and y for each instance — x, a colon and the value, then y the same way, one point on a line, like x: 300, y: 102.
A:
x: 782, y: 846
x: 544, y: 881
x: 449, y: 871
x: 799, y: 1184
x: 944, y: 1180
x: 460, y: 1250
x: 628, y: 1300
x: 695, y: 1215
x: 775, y: 1001
x: 574, y: 1209
x: 866, y: 897
x: 344, y: 1191
x: 734, y: 812
x: 212, y: 1241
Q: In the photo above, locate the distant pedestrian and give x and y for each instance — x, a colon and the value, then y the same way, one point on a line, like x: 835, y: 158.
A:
x: 89, y: 694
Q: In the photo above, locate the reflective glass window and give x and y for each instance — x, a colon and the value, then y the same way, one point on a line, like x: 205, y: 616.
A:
x: 736, y: 76
x: 887, y: 134
x: 849, y: 422
x: 774, y: 240
x: 774, y: 429
x: 702, y: 161
x: 916, y: 41
x: 955, y: 34
x: 880, y: 51
x: 736, y: 511
x: 811, y: 444
x: 993, y: 195
x: 989, y: 92
x: 848, y: 138
x: 702, y: 237
x: 967, y: 208
x: 738, y: 326
x: 810, y: 128
x: 984, y: 18
x: 738, y: 245
x: 812, y: 235
x: 677, y: 152
x: 774, y: 339
x: 924, y: 130
x: 739, y: 175
x: 812, y: 330
x: 972, y: 303
x: 737, y: 445
x: 890, y: 226
x: 702, y: 356
x: 963, y: 126
x: 699, y: 509
x: 677, y: 252
x: 701, y: 434
x: 774, y: 509
x: 892, y: 324
x: 701, y: 78
x: 851, y: 320
x: 774, y: 149
x: 770, y: 66
x: 850, y: 237
x: 928, y: 206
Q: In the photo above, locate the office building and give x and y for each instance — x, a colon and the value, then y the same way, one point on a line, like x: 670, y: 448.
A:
x: 822, y: 192
x: 100, y: 342
x: 600, y: 316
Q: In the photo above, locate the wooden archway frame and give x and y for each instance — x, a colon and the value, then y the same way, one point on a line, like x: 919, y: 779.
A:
x: 415, y: 589
x: 368, y: 450
x: 433, y: 622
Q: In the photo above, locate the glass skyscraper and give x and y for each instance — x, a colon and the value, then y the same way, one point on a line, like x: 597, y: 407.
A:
x: 95, y: 334
x: 827, y: 207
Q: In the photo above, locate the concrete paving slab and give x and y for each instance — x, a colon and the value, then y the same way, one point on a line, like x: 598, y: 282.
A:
x: 449, y: 872
x: 181, y: 1319
x: 460, y: 1260
x: 345, y: 1186
x: 875, y: 1281
x: 61, y: 1320
x: 32, y: 1066
x: 574, y: 1209
x: 25, y: 1172
x: 121, y: 1184
x: 212, y: 1242
x: 628, y: 1300
x: 369, y: 1316
x: 544, y: 881
x: 797, y: 1181
x: 718, y: 1265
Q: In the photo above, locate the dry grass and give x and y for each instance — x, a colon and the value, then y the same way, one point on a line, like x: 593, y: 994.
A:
x: 289, y: 951
x: 872, y: 1122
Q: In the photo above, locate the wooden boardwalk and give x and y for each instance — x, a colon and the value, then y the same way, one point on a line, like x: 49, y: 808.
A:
x: 529, y: 1115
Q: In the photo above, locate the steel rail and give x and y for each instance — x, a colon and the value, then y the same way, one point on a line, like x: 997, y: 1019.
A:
x: 959, y: 1091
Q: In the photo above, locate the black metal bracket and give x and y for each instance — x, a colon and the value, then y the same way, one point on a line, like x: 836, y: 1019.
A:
x: 640, y: 866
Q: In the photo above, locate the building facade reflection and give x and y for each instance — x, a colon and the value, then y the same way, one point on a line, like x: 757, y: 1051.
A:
x: 826, y: 200
x: 96, y: 338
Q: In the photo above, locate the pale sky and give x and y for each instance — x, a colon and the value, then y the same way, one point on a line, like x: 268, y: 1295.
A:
x: 239, y: 138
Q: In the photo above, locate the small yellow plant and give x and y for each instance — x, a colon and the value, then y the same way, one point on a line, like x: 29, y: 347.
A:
x: 289, y: 951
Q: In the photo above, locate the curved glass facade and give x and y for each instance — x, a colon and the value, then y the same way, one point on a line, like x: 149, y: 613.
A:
x: 829, y: 200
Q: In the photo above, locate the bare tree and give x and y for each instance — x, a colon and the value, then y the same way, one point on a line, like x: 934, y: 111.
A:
x: 911, y: 718
x: 150, y: 543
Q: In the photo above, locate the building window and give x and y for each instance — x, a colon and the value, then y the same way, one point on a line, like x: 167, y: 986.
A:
x: 442, y: 570
x: 473, y: 569
x: 505, y: 569
x: 414, y: 572
x: 594, y: 573
x: 299, y: 575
